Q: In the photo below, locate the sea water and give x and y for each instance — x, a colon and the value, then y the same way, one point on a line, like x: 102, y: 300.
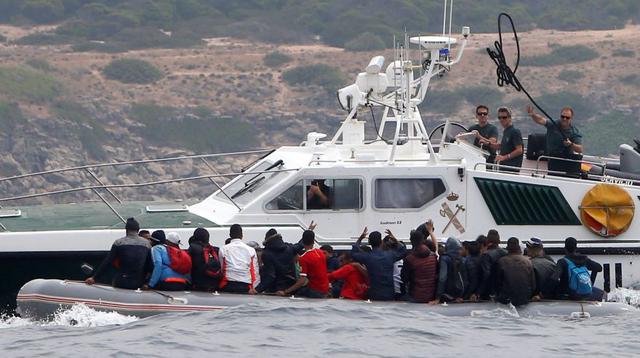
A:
x: 322, y: 329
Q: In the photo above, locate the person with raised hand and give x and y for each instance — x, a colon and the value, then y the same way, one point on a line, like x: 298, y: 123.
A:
x: 379, y: 264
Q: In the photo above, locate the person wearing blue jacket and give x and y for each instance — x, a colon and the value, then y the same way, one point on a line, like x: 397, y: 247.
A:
x: 163, y: 277
x: 380, y: 264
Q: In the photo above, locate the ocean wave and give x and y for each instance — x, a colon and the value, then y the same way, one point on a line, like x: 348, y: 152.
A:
x: 77, y: 316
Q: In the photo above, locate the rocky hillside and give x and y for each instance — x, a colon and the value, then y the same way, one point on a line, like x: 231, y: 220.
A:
x: 61, y: 107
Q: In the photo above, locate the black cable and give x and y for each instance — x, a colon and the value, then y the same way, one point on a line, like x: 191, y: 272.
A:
x: 375, y: 125
x: 507, y: 76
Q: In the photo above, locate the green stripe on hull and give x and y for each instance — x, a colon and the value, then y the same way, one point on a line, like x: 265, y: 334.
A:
x: 513, y: 203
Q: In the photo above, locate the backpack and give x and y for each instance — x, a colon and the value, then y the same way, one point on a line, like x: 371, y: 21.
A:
x: 211, y: 261
x: 179, y: 260
x: 579, y: 279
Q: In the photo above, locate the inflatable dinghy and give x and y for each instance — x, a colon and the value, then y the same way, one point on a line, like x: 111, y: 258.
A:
x: 41, y: 299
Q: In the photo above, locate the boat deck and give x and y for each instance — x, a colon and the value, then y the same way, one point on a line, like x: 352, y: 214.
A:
x: 96, y: 215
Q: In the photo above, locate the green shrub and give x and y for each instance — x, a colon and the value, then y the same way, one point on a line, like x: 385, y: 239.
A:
x: 553, y: 102
x: 365, y: 42
x: 440, y: 101
x: 22, y: 83
x: 195, y: 128
x: 604, y: 135
x: 570, y: 75
x: 127, y: 70
x: 40, y: 64
x: 623, y: 53
x: 43, y: 11
x: 561, y: 56
x: 631, y: 80
x: 107, y: 47
x: 91, y: 134
x: 476, y: 95
x: 44, y: 38
x: 325, y: 76
x: 276, y: 59
x: 10, y: 116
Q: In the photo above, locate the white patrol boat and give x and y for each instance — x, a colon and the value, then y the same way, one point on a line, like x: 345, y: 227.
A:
x: 347, y: 182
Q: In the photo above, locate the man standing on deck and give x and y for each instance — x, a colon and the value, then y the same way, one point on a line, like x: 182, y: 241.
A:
x: 130, y: 255
x: 511, y: 147
x: 563, y: 139
x: 239, y: 264
x: 485, y: 132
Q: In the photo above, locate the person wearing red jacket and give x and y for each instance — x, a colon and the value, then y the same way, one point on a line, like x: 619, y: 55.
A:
x: 355, y: 278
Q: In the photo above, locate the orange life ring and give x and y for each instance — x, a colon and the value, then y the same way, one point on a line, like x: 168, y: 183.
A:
x: 607, y: 210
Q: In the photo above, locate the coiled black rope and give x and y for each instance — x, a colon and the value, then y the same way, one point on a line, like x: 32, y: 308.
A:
x: 507, y: 76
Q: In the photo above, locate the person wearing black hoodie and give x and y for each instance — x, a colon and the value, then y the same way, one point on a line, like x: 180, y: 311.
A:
x: 452, y: 274
x: 278, y: 271
x: 489, y: 263
x: 420, y: 270
x: 545, y: 269
x: 131, y: 256
x: 570, y: 248
x: 206, y: 269
x: 474, y: 271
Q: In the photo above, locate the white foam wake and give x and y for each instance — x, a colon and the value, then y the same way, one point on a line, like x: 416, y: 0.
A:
x: 77, y: 316
x: 625, y: 295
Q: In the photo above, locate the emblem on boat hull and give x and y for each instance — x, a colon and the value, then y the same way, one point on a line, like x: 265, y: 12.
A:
x: 453, y: 196
x: 447, y: 212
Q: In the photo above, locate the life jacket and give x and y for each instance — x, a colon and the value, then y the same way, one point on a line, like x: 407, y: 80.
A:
x: 579, y: 279
x: 180, y: 261
x: 211, y: 261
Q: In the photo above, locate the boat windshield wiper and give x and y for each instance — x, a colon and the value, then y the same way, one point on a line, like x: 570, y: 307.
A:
x: 258, y: 178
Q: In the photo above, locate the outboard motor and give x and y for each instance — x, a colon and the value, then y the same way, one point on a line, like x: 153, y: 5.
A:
x: 629, y: 159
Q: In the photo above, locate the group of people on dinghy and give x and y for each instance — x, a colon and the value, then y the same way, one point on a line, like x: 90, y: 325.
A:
x: 384, y: 269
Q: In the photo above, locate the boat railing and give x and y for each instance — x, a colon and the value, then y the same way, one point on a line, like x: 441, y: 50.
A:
x: 537, y: 171
x: 102, y: 185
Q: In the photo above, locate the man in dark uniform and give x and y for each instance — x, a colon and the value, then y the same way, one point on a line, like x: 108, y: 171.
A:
x: 485, y: 132
x: 563, y: 140
x: 511, y: 148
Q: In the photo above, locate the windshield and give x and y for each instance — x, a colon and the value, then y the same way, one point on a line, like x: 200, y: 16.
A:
x: 251, y: 183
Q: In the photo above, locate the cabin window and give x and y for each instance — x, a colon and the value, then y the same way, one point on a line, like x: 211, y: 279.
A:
x: 290, y: 199
x: 406, y: 193
x: 320, y: 194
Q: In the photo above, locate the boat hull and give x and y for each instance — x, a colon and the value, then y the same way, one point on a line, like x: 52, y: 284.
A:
x: 41, y: 299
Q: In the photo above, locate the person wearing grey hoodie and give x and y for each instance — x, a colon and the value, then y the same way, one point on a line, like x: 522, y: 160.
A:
x: 452, y: 274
